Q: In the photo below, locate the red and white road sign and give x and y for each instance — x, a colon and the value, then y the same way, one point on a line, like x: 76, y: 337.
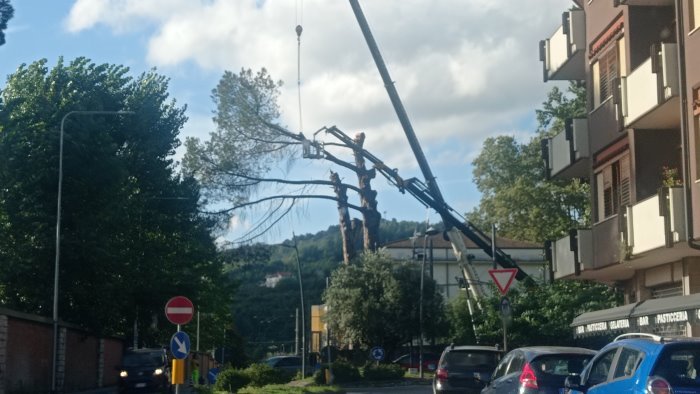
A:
x: 503, y: 278
x: 179, y: 310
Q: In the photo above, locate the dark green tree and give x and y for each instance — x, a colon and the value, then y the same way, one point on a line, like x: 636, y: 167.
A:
x: 375, y: 303
x: 131, y: 235
x: 6, y: 13
x: 541, y: 315
x: 515, y: 194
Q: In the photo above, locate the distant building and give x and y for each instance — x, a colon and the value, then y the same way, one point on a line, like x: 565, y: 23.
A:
x: 272, y: 280
x: 445, y: 268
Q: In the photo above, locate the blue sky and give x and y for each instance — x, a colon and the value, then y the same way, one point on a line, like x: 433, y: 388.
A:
x: 465, y: 70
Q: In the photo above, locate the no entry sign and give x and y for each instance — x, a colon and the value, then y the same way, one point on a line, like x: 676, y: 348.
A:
x: 179, y: 310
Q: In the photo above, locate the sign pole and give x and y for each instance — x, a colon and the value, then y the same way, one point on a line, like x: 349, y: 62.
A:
x: 177, y: 386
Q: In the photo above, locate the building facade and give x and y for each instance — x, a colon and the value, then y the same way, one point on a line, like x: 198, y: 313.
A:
x: 638, y: 148
x: 442, y: 265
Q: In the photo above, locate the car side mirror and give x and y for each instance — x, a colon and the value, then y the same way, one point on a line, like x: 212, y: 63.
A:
x: 573, y: 381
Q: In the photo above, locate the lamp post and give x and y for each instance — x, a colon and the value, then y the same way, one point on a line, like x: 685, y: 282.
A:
x: 303, y: 317
x: 58, y: 233
x: 428, y: 233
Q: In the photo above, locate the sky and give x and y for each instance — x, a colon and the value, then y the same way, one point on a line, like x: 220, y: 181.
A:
x: 465, y: 70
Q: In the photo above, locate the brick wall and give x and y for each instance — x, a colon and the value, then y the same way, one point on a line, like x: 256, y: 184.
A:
x: 26, y: 348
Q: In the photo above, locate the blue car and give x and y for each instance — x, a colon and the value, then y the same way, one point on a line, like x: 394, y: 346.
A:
x: 641, y: 363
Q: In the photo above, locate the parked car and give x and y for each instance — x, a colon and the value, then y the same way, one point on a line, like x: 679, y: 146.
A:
x: 408, y: 361
x: 641, y: 363
x: 537, y: 369
x: 463, y: 369
x: 288, y: 364
x: 144, y: 370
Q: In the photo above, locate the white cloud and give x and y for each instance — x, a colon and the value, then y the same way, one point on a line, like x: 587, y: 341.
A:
x: 465, y: 69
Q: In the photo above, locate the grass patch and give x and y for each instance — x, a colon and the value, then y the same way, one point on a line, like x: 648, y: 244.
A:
x: 285, y: 389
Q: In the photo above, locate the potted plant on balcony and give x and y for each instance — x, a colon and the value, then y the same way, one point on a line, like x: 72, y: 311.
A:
x: 670, y: 177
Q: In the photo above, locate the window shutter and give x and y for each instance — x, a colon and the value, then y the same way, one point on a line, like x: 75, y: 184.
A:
x: 625, y: 183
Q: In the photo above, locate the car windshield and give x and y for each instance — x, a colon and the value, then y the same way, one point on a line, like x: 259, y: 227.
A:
x: 142, y: 360
x: 561, y: 364
x: 678, y: 365
x: 471, y: 359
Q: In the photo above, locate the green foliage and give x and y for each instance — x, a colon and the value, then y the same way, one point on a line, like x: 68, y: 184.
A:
x: 516, y: 196
x: 231, y: 380
x: 131, y: 234
x: 6, y: 13
x: 541, y: 315
x: 343, y: 372
x: 284, y: 389
x: 461, y: 330
x: 263, y: 374
x: 374, y: 371
x: 243, y: 145
x: 374, y: 303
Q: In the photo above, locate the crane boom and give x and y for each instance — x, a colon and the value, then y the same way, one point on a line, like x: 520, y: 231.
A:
x: 429, y: 194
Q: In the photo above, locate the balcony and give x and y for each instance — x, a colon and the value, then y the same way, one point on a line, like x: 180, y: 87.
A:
x: 566, y: 154
x: 649, y: 95
x: 656, y: 229
x: 571, y: 254
x: 650, y: 3
x: 562, y: 55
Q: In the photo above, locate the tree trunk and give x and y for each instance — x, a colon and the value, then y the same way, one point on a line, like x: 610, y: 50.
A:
x: 344, y: 215
x: 368, y: 198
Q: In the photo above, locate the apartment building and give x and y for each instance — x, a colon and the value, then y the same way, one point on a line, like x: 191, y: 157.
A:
x: 639, y: 149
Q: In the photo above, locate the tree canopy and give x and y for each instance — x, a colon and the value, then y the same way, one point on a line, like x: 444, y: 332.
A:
x: 6, y: 13
x: 515, y: 194
x: 131, y: 235
x: 375, y: 303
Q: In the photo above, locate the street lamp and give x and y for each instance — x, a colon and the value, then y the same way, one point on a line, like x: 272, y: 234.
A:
x: 58, y: 233
x: 303, y: 317
x: 428, y: 232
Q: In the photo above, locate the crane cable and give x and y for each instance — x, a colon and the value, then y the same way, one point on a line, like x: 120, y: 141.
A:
x: 298, y: 30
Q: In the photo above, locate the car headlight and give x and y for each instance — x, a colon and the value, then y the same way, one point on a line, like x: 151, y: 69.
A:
x: 158, y: 371
x: 123, y: 374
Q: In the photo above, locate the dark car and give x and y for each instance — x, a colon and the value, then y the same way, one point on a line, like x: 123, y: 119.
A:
x: 641, y: 363
x: 412, y: 361
x: 144, y: 370
x: 537, y: 369
x: 287, y: 364
x: 464, y: 369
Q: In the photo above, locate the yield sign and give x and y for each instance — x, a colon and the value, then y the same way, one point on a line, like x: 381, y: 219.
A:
x: 179, y: 310
x: 503, y: 278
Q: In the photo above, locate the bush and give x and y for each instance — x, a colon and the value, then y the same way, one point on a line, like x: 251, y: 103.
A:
x: 343, y: 372
x: 372, y: 371
x: 263, y: 374
x: 230, y: 380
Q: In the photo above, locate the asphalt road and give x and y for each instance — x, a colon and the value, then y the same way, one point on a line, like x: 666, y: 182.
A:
x: 418, y: 389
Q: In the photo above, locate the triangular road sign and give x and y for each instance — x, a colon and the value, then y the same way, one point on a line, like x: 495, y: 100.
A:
x: 503, y: 278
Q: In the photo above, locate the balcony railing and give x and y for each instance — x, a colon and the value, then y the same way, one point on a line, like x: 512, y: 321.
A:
x: 649, y: 95
x: 653, y: 3
x: 562, y: 54
x: 567, y: 153
x: 656, y: 222
x: 572, y: 254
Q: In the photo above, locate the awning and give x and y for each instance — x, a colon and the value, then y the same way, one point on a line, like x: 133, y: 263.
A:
x: 639, y: 317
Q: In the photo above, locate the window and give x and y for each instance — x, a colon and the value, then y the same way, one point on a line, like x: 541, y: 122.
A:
x: 614, y: 187
x: 501, y: 368
x: 606, y: 69
x: 601, y: 368
x: 627, y: 363
x: 517, y: 364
